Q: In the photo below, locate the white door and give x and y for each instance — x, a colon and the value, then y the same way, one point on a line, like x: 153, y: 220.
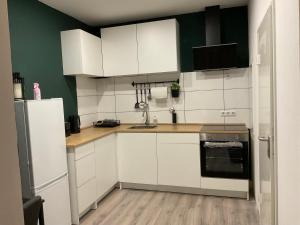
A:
x: 266, y: 120
x: 47, y: 140
x: 57, y: 202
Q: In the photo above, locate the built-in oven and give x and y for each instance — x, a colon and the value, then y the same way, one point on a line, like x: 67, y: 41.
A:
x: 225, y: 155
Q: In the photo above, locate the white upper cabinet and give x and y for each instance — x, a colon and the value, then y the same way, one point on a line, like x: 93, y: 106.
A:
x: 158, y: 46
x: 119, y: 48
x: 81, y: 53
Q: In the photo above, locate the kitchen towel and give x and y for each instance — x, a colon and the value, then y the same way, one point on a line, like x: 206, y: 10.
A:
x: 159, y: 92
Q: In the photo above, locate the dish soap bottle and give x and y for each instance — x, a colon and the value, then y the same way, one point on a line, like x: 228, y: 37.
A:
x: 37, y: 91
x: 155, y: 120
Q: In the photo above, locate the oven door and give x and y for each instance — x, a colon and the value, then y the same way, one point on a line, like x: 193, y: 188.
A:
x: 224, y: 159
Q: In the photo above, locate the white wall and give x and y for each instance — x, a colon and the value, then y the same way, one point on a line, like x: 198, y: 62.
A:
x: 11, y: 210
x: 257, y: 11
x: 288, y: 110
x: 202, y: 98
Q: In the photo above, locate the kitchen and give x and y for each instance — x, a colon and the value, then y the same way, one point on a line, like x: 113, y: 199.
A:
x: 159, y: 109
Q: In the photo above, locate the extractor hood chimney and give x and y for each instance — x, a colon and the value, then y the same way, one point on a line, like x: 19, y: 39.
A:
x: 212, y: 25
x: 215, y: 55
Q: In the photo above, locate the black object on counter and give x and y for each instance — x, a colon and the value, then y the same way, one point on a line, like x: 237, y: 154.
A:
x: 75, y: 124
x: 33, y: 211
x: 67, y: 129
x: 174, y: 117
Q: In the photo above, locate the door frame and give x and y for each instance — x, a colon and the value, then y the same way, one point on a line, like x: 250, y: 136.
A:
x: 274, y: 170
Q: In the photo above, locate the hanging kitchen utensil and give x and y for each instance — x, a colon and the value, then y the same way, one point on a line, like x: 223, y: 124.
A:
x: 145, y: 92
x: 142, y: 101
x: 137, y: 104
x: 149, y: 94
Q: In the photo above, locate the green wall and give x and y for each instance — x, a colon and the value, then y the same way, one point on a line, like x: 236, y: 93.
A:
x: 36, y: 50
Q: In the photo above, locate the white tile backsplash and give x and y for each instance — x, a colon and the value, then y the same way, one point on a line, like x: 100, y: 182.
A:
x: 130, y: 117
x: 203, y: 116
x: 211, y: 80
x: 125, y: 103
x: 106, y: 103
x: 87, y: 120
x: 123, y: 84
x: 236, y: 78
x: 236, y: 98
x: 86, y: 86
x: 106, y: 86
x: 102, y: 116
x: 242, y: 116
x: 87, y: 104
x: 202, y: 98
x: 166, y: 116
x: 166, y: 104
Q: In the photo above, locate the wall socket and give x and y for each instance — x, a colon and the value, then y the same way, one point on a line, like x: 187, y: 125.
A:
x: 228, y: 113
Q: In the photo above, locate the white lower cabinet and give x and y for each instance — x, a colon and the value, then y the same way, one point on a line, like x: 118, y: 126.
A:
x: 178, y: 160
x: 82, y: 179
x: 137, y: 159
x: 92, y: 173
x: 106, y: 165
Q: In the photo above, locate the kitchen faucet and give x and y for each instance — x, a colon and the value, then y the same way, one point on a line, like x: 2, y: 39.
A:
x: 145, y: 109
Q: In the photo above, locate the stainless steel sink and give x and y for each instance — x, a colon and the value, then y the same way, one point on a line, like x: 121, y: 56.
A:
x: 142, y: 126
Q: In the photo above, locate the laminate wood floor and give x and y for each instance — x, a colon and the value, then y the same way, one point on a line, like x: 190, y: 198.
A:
x: 135, y: 207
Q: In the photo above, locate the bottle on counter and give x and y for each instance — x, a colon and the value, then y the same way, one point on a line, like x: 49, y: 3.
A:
x: 155, y: 120
x: 37, y: 91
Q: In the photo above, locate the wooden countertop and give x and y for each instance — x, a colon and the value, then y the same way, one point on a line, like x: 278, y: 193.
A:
x: 91, y: 134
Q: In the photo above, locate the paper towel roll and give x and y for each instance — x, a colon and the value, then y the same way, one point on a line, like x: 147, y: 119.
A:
x: 159, y: 92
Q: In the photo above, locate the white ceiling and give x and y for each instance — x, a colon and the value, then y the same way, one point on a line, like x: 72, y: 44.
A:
x: 103, y: 12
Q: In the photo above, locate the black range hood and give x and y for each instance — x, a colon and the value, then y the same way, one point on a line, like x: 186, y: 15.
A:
x: 214, y: 55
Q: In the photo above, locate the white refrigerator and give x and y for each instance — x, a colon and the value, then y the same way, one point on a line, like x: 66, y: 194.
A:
x: 43, y: 158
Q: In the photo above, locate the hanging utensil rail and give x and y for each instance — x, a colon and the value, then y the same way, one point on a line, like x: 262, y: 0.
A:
x: 158, y: 82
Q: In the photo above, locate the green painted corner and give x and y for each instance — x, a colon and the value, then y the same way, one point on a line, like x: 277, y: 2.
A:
x: 36, y: 49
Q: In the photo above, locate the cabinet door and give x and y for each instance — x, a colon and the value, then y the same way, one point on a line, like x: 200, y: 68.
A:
x: 81, y: 53
x: 106, y: 165
x: 178, y: 160
x: 137, y: 160
x: 158, y: 48
x: 119, y: 48
x: 91, y: 54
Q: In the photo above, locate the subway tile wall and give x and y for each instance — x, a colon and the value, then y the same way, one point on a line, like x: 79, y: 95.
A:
x: 203, y: 96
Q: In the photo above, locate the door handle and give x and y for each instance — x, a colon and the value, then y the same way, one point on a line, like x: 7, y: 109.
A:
x: 268, y: 140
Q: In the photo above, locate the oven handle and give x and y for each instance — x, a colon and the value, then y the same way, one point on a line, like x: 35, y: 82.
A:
x: 223, y: 144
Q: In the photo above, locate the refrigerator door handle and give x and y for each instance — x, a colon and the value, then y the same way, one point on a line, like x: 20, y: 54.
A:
x: 50, y: 182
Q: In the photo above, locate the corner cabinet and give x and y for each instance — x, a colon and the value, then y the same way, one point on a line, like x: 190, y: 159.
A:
x: 92, y: 174
x: 158, y: 46
x: 81, y: 53
x: 119, y: 47
x: 137, y: 159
